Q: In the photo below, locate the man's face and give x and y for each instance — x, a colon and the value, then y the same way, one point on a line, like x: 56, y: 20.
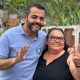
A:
x: 35, y: 19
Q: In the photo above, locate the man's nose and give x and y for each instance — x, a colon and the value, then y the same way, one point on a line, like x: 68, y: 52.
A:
x: 38, y: 20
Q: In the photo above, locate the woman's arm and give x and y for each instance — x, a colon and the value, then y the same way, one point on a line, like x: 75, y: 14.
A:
x: 75, y: 71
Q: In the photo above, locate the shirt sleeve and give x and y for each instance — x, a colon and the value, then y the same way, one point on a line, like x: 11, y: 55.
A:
x: 4, y: 46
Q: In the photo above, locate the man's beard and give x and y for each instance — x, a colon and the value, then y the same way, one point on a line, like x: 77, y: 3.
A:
x: 30, y: 26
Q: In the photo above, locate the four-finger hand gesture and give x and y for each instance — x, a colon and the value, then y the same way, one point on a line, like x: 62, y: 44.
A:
x: 21, y: 54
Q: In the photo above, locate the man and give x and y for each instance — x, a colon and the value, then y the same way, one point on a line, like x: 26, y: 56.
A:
x: 21, y: 46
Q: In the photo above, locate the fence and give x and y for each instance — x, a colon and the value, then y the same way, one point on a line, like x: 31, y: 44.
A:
x: 72, y: 33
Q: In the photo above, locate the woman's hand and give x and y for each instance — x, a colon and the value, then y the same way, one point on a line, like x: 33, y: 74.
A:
x: 75, y: 52
x: 76, y: 56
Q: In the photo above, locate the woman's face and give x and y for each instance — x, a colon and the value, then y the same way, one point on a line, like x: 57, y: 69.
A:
x: 56, y: 40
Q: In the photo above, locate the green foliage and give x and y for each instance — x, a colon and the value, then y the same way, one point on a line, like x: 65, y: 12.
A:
x: 63, y: 12
x: 17, y: 1
x: 16, y: 6
x: 60, y: 12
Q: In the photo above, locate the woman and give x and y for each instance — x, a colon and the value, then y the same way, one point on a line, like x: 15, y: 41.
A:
x: 56, y: 63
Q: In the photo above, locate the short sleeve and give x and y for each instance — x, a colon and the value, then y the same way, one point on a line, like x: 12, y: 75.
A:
x: 4, y: 46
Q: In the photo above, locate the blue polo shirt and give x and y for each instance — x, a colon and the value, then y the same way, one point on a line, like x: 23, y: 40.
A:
x: 10, y: 42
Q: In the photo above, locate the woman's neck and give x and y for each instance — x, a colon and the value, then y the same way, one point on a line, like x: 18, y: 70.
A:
x: 54, y: 52
x: 49, y: 56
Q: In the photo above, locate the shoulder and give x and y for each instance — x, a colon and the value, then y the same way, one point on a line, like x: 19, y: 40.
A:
x: 42, y: 33
x: 10, y: 31
x: 13, y: 29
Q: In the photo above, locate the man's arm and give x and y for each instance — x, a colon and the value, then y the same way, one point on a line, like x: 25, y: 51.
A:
x: 10, y: 62
x: 7, y: 63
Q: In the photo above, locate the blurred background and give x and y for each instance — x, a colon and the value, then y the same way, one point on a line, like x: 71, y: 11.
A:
x: 60, y: 12
x: 65, y: 13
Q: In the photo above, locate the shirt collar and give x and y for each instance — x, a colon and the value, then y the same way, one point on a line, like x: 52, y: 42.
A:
x: 20, y: 29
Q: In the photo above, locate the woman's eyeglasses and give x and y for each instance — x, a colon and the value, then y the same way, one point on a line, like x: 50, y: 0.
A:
x: 55, y: 38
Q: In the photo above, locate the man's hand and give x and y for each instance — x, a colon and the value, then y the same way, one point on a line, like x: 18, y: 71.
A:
x: 21, y: 55
x: 10, y: 62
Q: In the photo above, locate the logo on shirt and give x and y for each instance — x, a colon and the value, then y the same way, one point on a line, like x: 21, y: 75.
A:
x: 38, y: 50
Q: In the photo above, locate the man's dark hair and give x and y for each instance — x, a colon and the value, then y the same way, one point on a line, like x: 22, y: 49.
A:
x: 39, y: 6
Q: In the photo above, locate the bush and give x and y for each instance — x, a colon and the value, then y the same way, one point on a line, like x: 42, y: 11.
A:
x: 63, y: 12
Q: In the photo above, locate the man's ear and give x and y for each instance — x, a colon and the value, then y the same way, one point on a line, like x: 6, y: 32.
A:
x: 24, y: 17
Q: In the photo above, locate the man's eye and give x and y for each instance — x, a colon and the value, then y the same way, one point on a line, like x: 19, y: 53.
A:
x: 34, y: 17
x: 41, y: 18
